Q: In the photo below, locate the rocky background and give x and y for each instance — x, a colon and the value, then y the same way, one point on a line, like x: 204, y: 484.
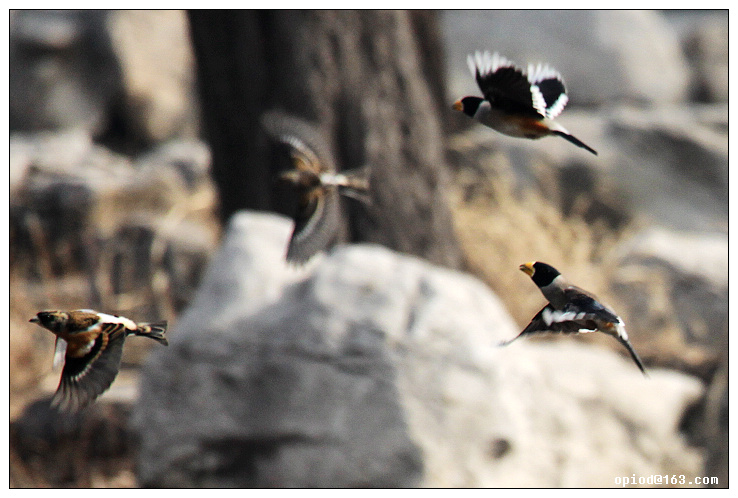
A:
x: 368, y: 367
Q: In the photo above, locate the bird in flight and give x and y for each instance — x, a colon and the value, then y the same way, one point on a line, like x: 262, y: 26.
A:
x: 571, y: 310
x: 318, y: 184
x: 516, y: 102
x: 90, y: 345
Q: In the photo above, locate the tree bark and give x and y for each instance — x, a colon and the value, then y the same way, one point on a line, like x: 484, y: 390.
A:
x: 371, y: 82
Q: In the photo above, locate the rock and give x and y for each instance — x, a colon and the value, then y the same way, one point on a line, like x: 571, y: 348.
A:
x: 620, y: 55
x: 666, y: 166
x: 140, y: 230
x: 369, y: 368
x: 126, y: 77
x: 665, y: 152
x: 189, y: 161
x: 157, y: 68
x: 674, y: 287
x: 714, y: 427
x: 54, y: 449
x: 704, y: 38
x: 64, y: 73
x: 707, y: 48
x: 707, y: 424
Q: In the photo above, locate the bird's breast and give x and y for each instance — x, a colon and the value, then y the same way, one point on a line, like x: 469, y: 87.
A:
x: 515, y: 126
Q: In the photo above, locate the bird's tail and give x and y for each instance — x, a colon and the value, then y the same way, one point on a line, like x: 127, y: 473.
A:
x: 354, y: 183
x: 156, y: 331
x: 505, y: 343
x: 622, y: 338
x: 574, y: 140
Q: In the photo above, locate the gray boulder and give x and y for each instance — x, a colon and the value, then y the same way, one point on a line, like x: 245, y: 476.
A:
x: 674, y: 288
x: 138, y: 228
x: 127, y: 76
x: 666, y: 166
x: 672, y: 164
x: 153, y: 50
x: 369, y: 368
x: 63, y: 70
x: 704, y: 38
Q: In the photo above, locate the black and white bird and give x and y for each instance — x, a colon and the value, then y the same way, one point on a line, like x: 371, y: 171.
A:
x: 517, y: 103
x: 90, y: 345
x: 571, y: 310
x: 317, y: 182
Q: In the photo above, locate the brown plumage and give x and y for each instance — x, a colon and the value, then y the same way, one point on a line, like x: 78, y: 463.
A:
x: 317, y: 182
x: 90, y: 345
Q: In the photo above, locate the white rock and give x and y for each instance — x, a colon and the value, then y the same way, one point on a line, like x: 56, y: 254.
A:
x: 370, y: 368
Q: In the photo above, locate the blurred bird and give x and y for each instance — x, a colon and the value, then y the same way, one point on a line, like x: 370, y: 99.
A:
x: 89, y: 345
x: 517, y: 103
x: 317, y: 182
x: 571, y: 310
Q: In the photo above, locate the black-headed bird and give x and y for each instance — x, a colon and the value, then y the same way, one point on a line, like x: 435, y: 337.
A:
x: 571, y: 310
x: 317, y: 182
x: 90, y: 345
x: 517, y: 103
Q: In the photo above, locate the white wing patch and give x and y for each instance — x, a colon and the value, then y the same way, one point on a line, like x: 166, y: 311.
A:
x: 486, y: 63
x: 557, y: 106
x: 552, y: 316
x: 620, y: 327
x: 105, y: 318
x: 539, y: 103
x: 60, y: 351
x: 542, y: 72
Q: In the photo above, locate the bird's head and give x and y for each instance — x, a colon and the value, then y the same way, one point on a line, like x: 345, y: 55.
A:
x: 468, y: 105
x: 541, y: 273
x: 54, y: 321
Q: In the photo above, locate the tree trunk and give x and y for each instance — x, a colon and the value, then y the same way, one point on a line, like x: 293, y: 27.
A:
x: 371, y: 81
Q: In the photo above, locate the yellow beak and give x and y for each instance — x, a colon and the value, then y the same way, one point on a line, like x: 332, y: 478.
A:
x: 528, y: 269
x: 458, y: 106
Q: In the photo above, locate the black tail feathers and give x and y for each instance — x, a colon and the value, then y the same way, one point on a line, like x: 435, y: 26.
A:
x: 575, y: 141
x: 633, y: 354
x: 156, y: 331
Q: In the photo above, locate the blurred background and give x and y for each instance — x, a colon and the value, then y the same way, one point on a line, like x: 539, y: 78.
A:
x: 141, y: 184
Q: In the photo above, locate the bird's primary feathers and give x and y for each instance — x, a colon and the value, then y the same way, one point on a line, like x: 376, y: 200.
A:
x: 318, y: 183
x: 516, y: 102
x: 90, y: 345
x: 572, y: 310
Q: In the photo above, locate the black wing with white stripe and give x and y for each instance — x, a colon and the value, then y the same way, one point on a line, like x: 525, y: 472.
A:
x: 85, y: 378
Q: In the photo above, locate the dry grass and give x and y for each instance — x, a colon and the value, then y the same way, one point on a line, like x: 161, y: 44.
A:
x: 501, y: 225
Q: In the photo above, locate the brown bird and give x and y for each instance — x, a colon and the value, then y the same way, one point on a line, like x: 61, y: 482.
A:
x: 571, y: 310
x: 517, y: 103
x: 90, y: 345
x: 317, y: 183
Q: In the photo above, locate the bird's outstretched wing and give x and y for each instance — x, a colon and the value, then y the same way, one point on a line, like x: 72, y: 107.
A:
x: 585, y: 306
x: 503, y: 84
x: 84, y: 378
x: 549, y: 320
x: 308, y: 148
x: 548, y: 90
x: 316, y: 222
